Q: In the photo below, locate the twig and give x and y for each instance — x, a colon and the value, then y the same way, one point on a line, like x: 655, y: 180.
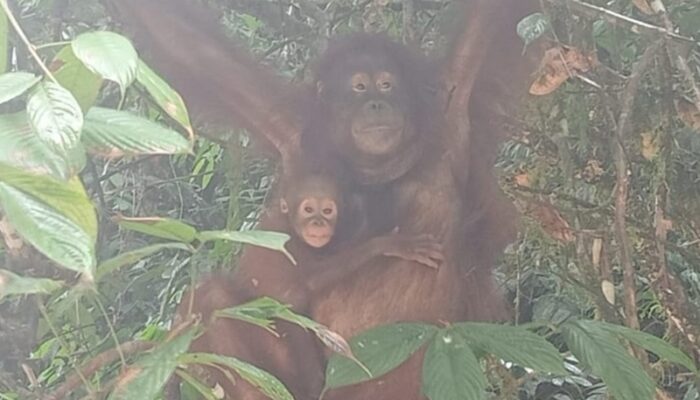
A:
x: 613, y: 17
x: 629, y: 299
x: 23, y: 36
x: 95, y: 364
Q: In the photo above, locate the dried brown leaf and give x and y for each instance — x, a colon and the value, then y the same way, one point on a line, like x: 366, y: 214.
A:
x: 557, y: 66
x: 650, y: 146
x: 643, y: 6
x: 551, y: 221
x: 688, y: 113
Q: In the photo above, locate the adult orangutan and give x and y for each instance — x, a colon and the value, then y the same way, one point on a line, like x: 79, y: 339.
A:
x: 418, y: 143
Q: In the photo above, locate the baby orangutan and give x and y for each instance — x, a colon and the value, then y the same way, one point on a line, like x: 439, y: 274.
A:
x: 329, y: 238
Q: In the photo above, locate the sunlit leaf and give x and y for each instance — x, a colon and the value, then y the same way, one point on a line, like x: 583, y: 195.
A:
x: 13, y: 84
x: 602, y: 353
x: 109, y: 55
x: 56, y: 117
x: 380, y: 350
x: 270, y: 240
x: 113, y: 133
x: 22, y: 148
x: 513, y: 344
x: 147, y: 377
x: 264, y: 381
x: 72, y: 74
x: 14, y: 285
x: 165, y: 96
x: 451, y: 371
x: 69, y: 198
x: 533, y: 27
x: 49, y: 231
x: 165, y: 228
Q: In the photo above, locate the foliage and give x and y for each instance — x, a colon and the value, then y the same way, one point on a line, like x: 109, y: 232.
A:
x: 102, y: 177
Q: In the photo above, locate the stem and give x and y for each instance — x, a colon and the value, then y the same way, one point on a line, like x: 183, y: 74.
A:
x: 23, y: 36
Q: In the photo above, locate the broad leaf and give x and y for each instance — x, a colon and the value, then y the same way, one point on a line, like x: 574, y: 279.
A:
x: 147, y: 377
x: 49, y: 231
x: 72, y: 74
x: 112, y: 133
x: 603, y: 354
x: 14, y: 84
x: 259, y: 312
x: 267, y: 383
x: 451, y: 371
x: 109, y: 55
x: 513, y: 344
x: 69, y: 198
x: 379, y: 349
x: 532, y: 27
x: 56, y: 117
x: 133, y: 256
x: 655, y: 345
x: 20, y: 147
x: 165, y: 228
x: 13, y: 285
x: 164, y: 95
x: 270, y: 240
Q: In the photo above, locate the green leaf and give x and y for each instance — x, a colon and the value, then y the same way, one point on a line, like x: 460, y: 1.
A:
x: 655, y: 345
x: 147, y: 377
x: 532, y: 27
x: 13, y: 284
x: 72, y: 74
x: 259, y: 312
x: 164, y: 95
x: 69, y: 198
x: 451, y: 371
x: 109, y: 55
x: 112, y: 133
x: 130, y: 257
x: 268, y: 384
x: 269, y: 240
x: 56, y: 117
x: 380, y: 349
x: 49, y: 231
x: 164, y: 228
x: 513, y: 344
x: 14, y: 84
x: 4, y: 41
x: 603, y: 354
x: 20, y: 147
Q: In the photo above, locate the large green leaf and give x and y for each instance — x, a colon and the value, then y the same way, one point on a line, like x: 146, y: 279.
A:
x: 451, y: 371
x: 49, y: 231
x: 513, y: 344
x: 263, y: 380
x: 56, y: 117
x: 270, y: 240
x: 532, y: 27
x: 69, y: 198
x: 14, y: 84
x: 72, y: 74
x: 13, y: 284
x: 114, y: 133
x: 108, y: 266
x: 165, y: 228
x: 379, y: 349
x: 20, y: 147
x: 164, y: 95
x: 603, y: 354
x: 657, y: 346
x: 4, y: 41
x: 147, y: 377
x: 109, y: 55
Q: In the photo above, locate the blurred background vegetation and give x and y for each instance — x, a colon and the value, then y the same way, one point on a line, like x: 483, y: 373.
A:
x: 603, y: 162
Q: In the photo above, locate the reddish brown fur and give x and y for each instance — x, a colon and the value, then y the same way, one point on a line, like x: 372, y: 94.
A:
x: 458, y: 202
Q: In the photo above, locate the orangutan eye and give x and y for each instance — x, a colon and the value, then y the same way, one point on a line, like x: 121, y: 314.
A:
x: 385, y: 86
x: 308, y: 209
x: 359, y: 87
x: 327, y: 211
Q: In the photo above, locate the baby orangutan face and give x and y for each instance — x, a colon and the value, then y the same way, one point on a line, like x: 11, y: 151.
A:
x: 312, y: 208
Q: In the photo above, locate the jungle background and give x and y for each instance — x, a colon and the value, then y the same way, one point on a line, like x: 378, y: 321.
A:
x: 603, y: 162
